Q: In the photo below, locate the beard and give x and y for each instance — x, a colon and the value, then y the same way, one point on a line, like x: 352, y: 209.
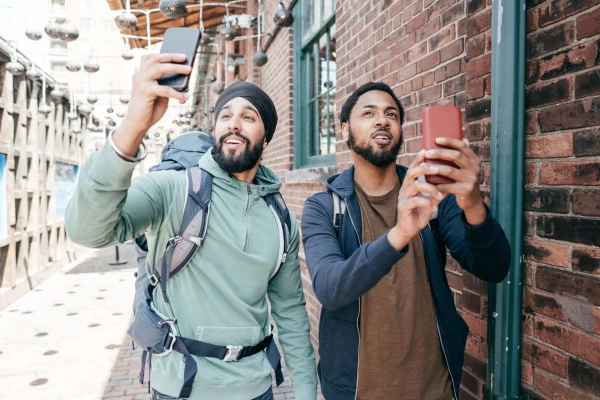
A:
x: 379, y: 157
x: 232, y: 163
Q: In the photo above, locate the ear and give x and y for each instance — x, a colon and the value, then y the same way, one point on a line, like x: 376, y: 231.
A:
x: 265, y: 143
x: 345, y: 131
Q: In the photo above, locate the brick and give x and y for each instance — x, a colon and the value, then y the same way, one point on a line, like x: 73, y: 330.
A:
x: 583, y: 173
x: 453, y: 14
x: 584, y: 376
x: 475, y: 5
x: 530, y: 173
x: 549, y: 386
x: 470, y: 383
x: 414, y: 145
x: 549, y: 93
x: 587, y: 143
x: 588, y: 25
x: 570, y: 229
x: 568, y: 61
x: 553, y: 280
x: 547, y: 253
x: 549, y: 146
x: 533, y: 20
x: 440, y: 74
x: 550, y: 40
x: 408, y: 101
x: 544, y: 357
x: 475, y: 47
x: 479, y: 23
x: 471, y: 302
x: 416, y: 52
x: 546, y: 200
x: 568, y: 339
x: 531, y: 122
x: 428, y: 79
x: 406, y: 73
x: 478, y: 110
x: 587, y: 84
x: 427, y: 63
x: 451, y: 50
x: 482, y: 150
x: 479, y: 66
x: 476, y: 89
x: 428, y: 29
x: 474, y: 284
x: 417, y: 22
x: 533, y: 72
x: 587, y: 260
x: 557, y: 10
x: 453, y: 68
x: 571, y: 115
x: 586, y: 202
x: 417, y: 83
x: 477, y: 326
x: 474, y: 132
x: 542, y: 303
x: 526, y: 372
x: 476, y: 366
x: 430, y: 94
x: 454, y: 85
x: 442, y: 38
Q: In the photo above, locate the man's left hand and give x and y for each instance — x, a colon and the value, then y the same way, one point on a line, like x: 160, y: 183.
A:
x: 466, y: 177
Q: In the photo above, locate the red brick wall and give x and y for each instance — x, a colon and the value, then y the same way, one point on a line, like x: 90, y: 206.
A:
x: 561, y: 343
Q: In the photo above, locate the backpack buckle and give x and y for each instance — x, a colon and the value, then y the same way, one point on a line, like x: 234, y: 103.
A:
x: 174, y: 241
x: 233, y: 353
x: 153, y: 280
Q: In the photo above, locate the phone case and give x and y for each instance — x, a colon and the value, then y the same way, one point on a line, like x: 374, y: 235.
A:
x: 440, y: 121
x: 180, y: 40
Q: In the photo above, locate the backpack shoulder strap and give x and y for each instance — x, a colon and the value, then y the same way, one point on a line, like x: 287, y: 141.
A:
x: 339, y: 209
x: 194, y: 224
x: 284, y: 224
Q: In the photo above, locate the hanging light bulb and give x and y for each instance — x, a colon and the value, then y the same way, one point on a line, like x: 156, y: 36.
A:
x: 260, y: 58
x: 92, y: 99
x: 127, y: 20
x: 127, y: 55
x: 112, y: 123
x: 283, y: 17
x: 212, y: 78
x: 68, y: 32
x: 124, y: 99
x: 91, y: 66
x: 110, y: 110
x: 120, y: 113
x: 182, y: 101
x: 33, y: 33
x: 218, y: 89
x: 228, y: 32
x: 51, y: 29
x: 85, y: 109
x: 33, y: 74
x: 73, y: 66
x: 15, y: 68
x: 45, y: 109
x: 173, y: 9
x: 205, y: 39
x: 57, y: 94
x: 72, y: 115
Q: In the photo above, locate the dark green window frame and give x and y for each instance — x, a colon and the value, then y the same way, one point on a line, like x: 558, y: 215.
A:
x: 307, y: 99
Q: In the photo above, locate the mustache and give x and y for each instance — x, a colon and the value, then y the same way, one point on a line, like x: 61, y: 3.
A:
x: 228, y: 134
x: 379, y: 131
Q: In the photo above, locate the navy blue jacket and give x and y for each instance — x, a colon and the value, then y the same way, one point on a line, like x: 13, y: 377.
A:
x: 343, y: 269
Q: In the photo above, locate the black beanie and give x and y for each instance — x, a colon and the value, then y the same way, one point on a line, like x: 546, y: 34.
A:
x: 257, y: 97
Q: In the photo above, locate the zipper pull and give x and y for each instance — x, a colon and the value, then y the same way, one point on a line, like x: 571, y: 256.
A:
x: 249, y: 191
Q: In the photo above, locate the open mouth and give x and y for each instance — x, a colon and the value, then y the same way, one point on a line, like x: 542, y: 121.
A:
x: 234, y: 141
x: 382, y: 138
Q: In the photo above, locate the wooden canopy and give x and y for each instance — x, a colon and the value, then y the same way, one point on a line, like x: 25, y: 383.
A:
x: 212, y: 16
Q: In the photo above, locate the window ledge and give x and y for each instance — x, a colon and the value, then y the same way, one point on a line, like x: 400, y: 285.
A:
x: 310, y: 175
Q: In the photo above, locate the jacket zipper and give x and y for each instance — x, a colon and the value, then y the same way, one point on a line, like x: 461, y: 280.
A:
x: 246, y: 218
x: 440, y: 334
x: 358, y: 316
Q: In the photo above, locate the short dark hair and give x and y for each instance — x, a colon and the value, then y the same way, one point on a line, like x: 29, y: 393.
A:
x: 368, y: 87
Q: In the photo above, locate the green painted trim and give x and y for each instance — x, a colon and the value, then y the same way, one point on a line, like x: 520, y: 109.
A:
x: 506, y: 194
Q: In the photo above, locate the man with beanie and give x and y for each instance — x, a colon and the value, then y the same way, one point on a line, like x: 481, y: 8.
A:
x: 220, y: 297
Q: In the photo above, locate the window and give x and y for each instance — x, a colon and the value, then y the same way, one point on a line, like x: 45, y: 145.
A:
x: 110, y: 27
x: 84, y: 24
x: 314, y: 90
x: 59, y: 66
x: 58, y: 2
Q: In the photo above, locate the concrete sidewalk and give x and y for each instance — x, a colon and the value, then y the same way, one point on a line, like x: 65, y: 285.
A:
x: 67, y: 339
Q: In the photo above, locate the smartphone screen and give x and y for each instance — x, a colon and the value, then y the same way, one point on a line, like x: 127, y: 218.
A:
x: 440, y: 121
x: 180, y: 40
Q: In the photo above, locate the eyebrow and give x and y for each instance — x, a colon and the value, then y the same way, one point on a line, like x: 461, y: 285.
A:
x: 386, y: 109
x: 246, y: 107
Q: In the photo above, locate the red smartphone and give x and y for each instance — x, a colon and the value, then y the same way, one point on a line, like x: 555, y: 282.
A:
x: 440, y: 121
x: 180, y: 40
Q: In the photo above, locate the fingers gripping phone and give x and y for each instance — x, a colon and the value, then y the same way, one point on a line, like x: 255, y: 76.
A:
x: 440, y: 121
x: 184, y: 41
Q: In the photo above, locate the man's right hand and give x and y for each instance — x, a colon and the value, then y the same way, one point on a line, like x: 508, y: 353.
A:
x: 149, y: 100
x: 414, y: 209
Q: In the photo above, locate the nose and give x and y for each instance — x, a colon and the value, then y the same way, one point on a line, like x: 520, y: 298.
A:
x: 234, y: 124
x: 381, y: 122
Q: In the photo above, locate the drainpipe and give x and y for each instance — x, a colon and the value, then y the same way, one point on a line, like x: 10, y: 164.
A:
x: 506, y: 194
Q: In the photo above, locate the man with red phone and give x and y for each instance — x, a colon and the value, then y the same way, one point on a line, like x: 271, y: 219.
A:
x: 375, y: 244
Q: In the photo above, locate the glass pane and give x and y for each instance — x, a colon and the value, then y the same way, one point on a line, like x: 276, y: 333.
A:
x: 332, y: 114
x: 307, y: 5
x: 316, y: 19
x: 328, y: 9
x: 323, y: 128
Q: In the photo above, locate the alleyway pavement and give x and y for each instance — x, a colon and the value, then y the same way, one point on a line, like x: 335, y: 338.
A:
x: 67, y: 340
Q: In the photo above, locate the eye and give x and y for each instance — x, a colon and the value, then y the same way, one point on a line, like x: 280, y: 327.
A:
x: 224, y: 116
x: 248, y: 117
x: 393, y: 115
x: 368, y: 113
